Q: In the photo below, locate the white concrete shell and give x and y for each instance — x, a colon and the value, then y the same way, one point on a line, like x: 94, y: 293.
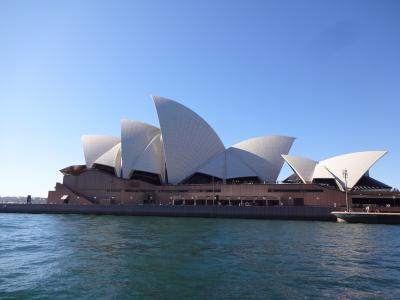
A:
x: 356, y: 164
x: 152, y: 160
x: 136, y: 137
x: 303, y: 167
x: 263, y: 155
x: 95, y: 146
x: 227, y: 165
x: 322, y: 172
x: 215, y: 166
x: 235, y: 167
x: 188, y: 141
x: 112, y: 158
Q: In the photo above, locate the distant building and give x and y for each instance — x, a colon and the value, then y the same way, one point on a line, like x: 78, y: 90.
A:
x: 21, y: 200
x: 184, y: 162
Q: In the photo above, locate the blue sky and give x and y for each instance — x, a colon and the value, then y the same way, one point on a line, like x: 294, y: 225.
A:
x: 326, y: 72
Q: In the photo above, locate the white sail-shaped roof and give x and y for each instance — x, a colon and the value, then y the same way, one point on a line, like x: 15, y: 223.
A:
x: 263, y: 154
x: 189, y: 142
x: 322, y: 172
x: 95, y: 146
x: 227, y: 165
x: 303, y: 167
x: 235, y: 167
x: 151, y: 160
x: 112, y: 158
x: 215, y: 166
x: 356, y: 164
x: 136, y: 138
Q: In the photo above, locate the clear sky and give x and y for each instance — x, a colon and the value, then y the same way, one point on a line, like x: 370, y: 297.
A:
x: 326, y: 72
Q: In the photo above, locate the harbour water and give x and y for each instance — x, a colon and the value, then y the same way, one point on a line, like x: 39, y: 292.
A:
x: 113, y: 257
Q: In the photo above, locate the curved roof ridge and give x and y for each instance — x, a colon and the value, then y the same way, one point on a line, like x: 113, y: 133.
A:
x: 265, y: 136
x: 355, y: 152
x: 139, y: 122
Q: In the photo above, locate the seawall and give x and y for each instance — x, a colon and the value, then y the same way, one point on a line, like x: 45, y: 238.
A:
x: 251, y: 212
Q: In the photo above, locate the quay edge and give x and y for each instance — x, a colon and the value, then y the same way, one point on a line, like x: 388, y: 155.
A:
x: 276, y: 212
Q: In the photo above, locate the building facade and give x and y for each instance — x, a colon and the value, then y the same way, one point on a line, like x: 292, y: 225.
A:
x: 184, y: 162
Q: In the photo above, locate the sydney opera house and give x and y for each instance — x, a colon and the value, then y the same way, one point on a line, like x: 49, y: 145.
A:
x: 184, y: 162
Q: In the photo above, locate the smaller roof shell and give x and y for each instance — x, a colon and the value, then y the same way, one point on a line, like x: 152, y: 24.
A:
x: 357, y: 164
x: 95, y: 146
x: 112, y: 158
x: 303, y: 167
x: 263, y: 155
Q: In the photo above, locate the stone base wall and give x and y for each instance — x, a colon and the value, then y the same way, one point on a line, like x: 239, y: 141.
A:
x: 94, y: 186
x: 56, y: 197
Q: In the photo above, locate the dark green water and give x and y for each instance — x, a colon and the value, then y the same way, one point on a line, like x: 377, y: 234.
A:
x: 106, y: 257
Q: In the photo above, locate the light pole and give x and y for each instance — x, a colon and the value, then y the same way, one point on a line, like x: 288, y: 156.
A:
x: 345, y: 175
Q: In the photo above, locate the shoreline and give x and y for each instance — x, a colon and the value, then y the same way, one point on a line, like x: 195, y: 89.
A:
x: 251, y: 212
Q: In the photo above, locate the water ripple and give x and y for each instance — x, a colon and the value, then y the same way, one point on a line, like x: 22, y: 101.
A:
x: 89, y: 257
